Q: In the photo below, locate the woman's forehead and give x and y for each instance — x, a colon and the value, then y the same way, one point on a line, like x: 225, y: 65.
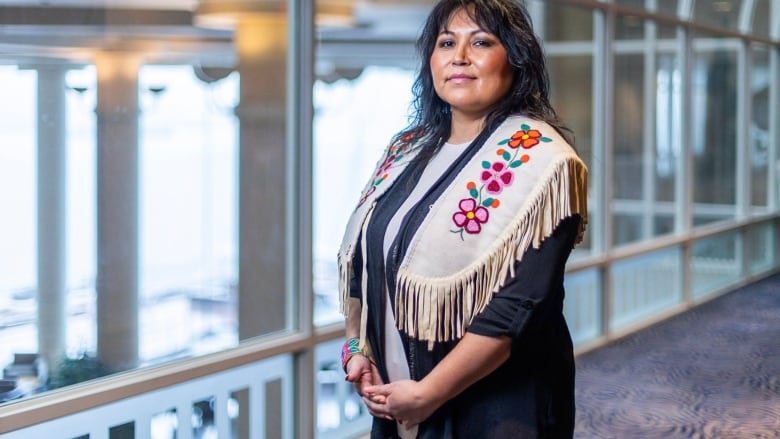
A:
x: 463, y: 16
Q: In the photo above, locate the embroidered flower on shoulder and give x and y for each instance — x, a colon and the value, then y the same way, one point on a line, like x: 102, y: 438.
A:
x: 473, y: 212
x: 525, y: 137
x: 394, y: 154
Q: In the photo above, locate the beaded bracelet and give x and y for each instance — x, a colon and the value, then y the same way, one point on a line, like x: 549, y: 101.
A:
x: 350, y: 348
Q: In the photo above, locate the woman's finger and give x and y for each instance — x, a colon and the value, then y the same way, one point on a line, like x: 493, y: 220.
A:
x: 376, y: 409
x: 382, y: 390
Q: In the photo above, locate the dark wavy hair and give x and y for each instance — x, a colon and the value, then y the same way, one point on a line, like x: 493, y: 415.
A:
x: 529, y: 93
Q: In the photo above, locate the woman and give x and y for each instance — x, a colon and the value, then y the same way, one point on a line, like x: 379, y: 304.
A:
x: 452, y: 264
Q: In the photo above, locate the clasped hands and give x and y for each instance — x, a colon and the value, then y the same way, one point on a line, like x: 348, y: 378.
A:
x: 406, y: 401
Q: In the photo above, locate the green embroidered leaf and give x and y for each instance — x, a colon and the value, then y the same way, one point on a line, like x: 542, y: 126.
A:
x: 486, y: 164
x: 515, y: 164
x: 503, y: 142
x: 487, y: 202
x: 474, y: 193
x: 525, y: 127
x: 506, y: 155
x: 545, y: 139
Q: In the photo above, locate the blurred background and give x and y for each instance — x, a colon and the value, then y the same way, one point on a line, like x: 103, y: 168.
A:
x: 175, y: 177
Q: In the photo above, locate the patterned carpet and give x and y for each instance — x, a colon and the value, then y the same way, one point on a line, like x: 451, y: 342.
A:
x: 713, y: 372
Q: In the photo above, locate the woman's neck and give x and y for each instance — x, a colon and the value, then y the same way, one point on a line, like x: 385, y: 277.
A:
x: 465, y: 127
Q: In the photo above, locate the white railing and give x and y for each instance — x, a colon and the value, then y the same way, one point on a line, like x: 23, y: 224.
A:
x: 645, y: 285
x: 169, y: 412
x: 582, y: 305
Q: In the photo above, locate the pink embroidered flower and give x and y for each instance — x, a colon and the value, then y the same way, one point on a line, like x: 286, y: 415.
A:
x: 470, y: 216
x: 497, y: 177
x: 387, y: 164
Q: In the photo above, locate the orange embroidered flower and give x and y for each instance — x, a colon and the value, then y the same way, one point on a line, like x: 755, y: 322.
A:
x: 525, y: 138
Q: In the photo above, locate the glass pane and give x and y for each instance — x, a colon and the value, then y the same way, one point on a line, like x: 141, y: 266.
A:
x: 263, y: 296
x: 571, y: 77
x: 150, y: 182
x: 762, y: 247
x: 349, y: 136
x: 645, y: 285
x: 582, y: 306
x: 714, y: 130
x: 18, y: 253
x: 759, y: 128
x: 628, y: 186
x: 629, y: 133
x: 762, y: 15
x: 81, y: 182
x: 188, y: 269
x: 668, y: 132
x: 638, y: 4
x: 645, y: 162
x: 629, y: 27
x: 567, y: 23
x: 714, y: 263
x: 666, y: 7
x: 719, y: 13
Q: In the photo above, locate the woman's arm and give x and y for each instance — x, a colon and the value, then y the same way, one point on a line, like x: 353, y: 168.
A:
x: 528, y: 299
x: 488, y: 342
x: 352, y: 322
x: 411, y: 402
x: 359, y: 369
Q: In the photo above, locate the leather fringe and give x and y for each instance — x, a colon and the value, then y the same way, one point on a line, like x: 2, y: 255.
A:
x: 441, y: 309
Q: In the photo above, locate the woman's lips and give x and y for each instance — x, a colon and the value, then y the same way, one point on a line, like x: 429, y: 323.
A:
x: 460, y: 78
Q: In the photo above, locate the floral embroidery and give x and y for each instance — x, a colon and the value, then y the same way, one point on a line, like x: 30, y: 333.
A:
x: 394, y: 154
x: 495, y: 177
x: 470, y: 216
x: 526, y: 137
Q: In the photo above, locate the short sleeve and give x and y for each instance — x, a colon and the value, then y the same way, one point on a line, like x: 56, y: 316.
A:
x: 535, y: 290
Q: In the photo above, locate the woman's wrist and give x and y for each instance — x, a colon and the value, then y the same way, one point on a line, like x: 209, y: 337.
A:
x: 349, y: 349
x: 433, y: 392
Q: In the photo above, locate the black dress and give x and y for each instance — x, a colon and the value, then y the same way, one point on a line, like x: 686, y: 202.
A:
x: 532, y: 394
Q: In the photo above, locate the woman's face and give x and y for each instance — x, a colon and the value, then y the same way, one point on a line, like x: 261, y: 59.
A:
x: 469, y: 67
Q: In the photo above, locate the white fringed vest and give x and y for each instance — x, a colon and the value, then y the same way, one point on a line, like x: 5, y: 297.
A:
x: 511, y: 195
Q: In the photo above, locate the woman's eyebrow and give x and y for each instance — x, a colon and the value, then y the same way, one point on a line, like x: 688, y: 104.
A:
x: 475, y: 31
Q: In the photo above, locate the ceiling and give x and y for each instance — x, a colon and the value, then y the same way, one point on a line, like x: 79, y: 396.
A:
x: 170, y: 31
x: 187, y: 5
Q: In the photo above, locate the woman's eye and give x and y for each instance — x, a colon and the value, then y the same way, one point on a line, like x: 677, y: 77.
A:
x: 446, y: 43
x: 483, y: 43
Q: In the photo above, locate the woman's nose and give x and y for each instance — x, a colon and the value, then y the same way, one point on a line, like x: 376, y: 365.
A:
x: 461, y: 55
